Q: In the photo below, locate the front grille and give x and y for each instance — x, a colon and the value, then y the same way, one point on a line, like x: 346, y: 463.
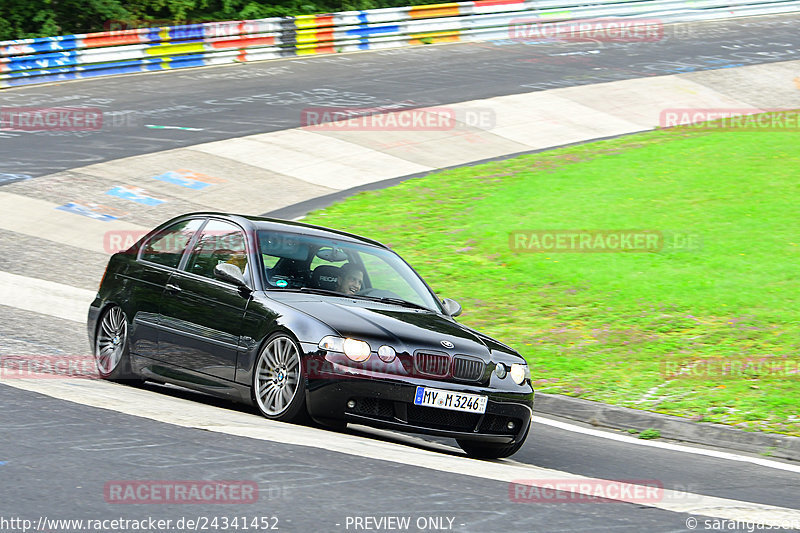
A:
x: 432, y: 364
x: 442, y: 418
x: 374, y: 407
x: 468, y: 368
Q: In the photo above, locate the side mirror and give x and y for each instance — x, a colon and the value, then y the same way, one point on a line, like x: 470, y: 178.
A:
x: 230, y: 273
x: 451, y: 307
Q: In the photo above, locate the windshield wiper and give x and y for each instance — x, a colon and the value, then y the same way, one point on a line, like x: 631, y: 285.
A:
x: 384, y: 299
x: 312, y: 290
x: 396, y: 301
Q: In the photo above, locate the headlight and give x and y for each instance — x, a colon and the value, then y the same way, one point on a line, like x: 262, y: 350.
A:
x: 354, y: 349
x: 519, y: 373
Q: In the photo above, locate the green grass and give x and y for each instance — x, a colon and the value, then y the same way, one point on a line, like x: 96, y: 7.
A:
x: 619, y: 327
x: 649, y: 434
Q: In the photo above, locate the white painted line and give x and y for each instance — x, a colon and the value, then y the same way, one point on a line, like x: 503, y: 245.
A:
x: 157, y: 127
x: 666, y: 445
x: 45, y: 297
x: 313, y: 158
x: 186, y: 413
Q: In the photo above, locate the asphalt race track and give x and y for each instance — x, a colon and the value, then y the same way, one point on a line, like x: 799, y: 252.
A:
x: 57, y: 456
x: 254, y: 98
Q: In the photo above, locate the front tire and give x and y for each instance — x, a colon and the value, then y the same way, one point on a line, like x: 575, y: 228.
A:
x: 482, y: 450
x: 111, y: 348
x: 279, y: 385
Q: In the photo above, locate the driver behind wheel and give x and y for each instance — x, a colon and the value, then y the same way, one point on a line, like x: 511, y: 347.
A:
x: 351, y: 279
x: 238, y: 258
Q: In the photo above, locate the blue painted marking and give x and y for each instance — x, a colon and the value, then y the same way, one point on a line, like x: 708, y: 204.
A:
x: 105, y: 72
x: 176, y: 178
x: 187, y: 31
x: 20, y: 80
x: 26, y: 73
x: 116, y: 65
x: 154, y: 35
x: 67, y: 42
x: 79, y: 209
x: 134, y: 194
x: 365, y: 32
x: 362, y: 17
x: 44, y: 61
x: 189, y: 60
x: 11, y: 178
x: 47, y: 44
x: 3, y: 463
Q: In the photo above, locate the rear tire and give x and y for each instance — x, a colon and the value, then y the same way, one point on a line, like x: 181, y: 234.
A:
x: 482, y: 450
x: 279, y: 384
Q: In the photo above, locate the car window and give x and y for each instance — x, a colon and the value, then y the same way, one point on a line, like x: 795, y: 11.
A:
x: 328, y: 256
x: 167, y: 246
x: 270, y: 261
x: 384, y: 277
x: 285, y: 259
x: 219, y: 242
x: 317, y: 261
x: 297, y: 261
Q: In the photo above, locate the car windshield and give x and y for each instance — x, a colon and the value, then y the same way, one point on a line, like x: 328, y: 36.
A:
x: 300, y: 262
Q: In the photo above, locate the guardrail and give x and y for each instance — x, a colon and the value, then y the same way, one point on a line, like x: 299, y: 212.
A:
x: 49, y: 59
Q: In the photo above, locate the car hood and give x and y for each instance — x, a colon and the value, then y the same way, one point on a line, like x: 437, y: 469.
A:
x: 405, y: 329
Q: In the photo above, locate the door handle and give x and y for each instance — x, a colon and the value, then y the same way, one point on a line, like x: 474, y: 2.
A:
x: 172, y: 288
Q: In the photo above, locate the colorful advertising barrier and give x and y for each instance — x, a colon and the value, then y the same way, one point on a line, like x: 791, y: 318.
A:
x: 48, y: 59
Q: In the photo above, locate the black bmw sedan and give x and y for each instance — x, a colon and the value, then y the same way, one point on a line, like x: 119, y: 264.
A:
x: 303, y: 321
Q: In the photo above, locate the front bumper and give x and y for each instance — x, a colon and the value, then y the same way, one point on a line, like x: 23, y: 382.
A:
x: 389, y: 403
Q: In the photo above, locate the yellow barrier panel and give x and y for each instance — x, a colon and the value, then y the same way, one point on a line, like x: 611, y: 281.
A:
x: 435, y: 37
x: 435, y: 11
x: 169, y: 49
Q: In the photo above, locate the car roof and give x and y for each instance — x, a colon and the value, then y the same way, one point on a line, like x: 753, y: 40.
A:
x: 275, y: 224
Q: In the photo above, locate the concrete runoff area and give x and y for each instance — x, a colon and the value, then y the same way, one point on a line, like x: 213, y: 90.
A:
x: 270, y: 171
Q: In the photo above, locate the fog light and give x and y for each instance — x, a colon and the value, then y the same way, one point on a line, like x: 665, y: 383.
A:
x: 510, y: 425
x: 500, y: 370
x: 386, y: 353
x: 351, y: 404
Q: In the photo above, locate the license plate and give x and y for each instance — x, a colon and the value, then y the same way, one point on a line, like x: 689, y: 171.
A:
x: 455, y: 401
